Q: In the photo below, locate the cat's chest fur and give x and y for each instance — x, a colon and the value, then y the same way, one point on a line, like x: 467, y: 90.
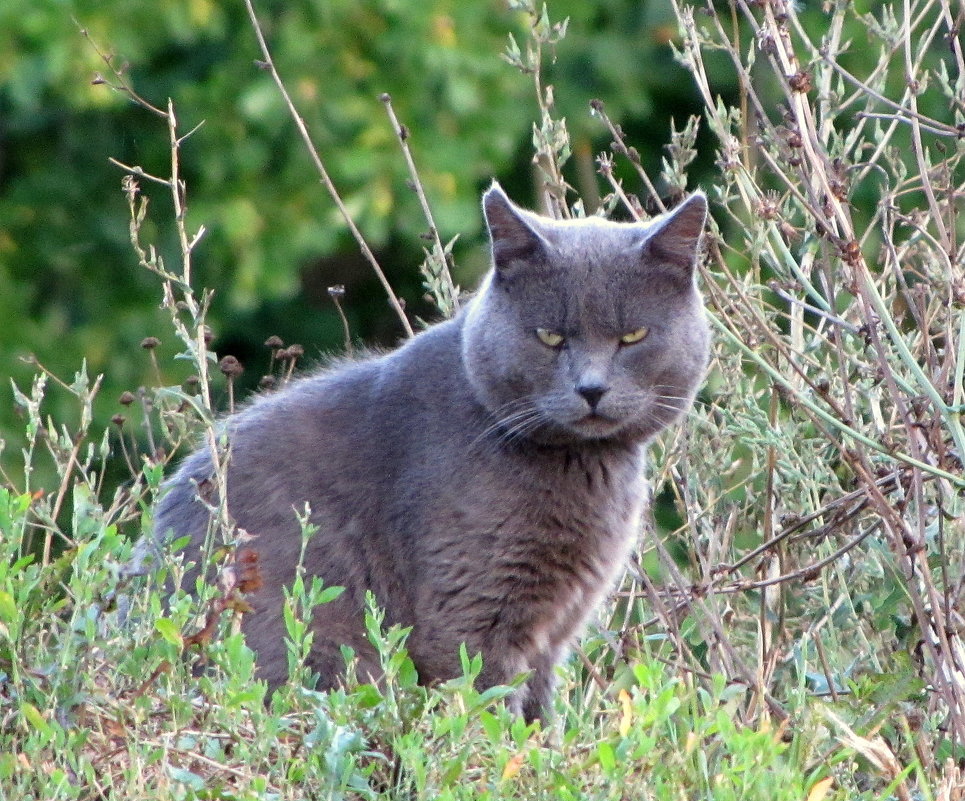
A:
x: 529, y: 541
x: 543, y: 529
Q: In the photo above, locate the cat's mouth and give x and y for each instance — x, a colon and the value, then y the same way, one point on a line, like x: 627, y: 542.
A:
x: 595, y: 425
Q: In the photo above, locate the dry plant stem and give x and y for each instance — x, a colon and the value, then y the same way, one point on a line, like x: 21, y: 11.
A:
x: 617, y: 187
x: 837, y: 424
x: 897, y: 397
x: 837, y: 419
x: 145, y: 404
x: 834, y: 421
x: 927, y: 611
x: 620, y: 145
x: 127, y: 455
x: 840, y: 220
x: 601, y: 683
x: 919, y: 149
x: 194, y: 339
x: 705, y: 603
x: 335, y: 293
x: 326, y: 180
x: 123, y: 86
x: 550, y: 137
x: 217, y: 448
x: 789, y: 531
x: 61, y: 494
x: 555, y: 189
x: 439, y: 252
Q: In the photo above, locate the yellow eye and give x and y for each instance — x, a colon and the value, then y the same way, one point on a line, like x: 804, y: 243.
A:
x: 634, y: 336
x: 549, y: 338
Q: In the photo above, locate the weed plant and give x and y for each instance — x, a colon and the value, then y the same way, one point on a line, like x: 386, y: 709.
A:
x: 793, y: 627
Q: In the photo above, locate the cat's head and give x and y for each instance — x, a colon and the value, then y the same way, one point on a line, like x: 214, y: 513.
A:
x: 587, y: 329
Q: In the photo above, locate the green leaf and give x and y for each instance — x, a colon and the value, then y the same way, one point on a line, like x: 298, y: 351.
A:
x: 608, y: 760
x: 36, y: 720
x: 8, y: 608
x: 329, y: 594
x: 491, y: 725
x: 192, y: 780
x: 169, y: 631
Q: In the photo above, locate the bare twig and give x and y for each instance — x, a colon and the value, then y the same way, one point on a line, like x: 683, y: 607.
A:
x: 439, y: 262
x: 326, y: 180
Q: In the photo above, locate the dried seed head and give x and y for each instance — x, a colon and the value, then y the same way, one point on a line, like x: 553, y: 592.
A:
x: 274, y: 342
x: 150, y: 343
x: 230, y: 366
x: 851, y: 251
x: 839, y: 190
x: 208, y: 335
x: 267, y: 382
x: 126, y: 399
x: 295, y: 351
x: 336, y: 292
x: 767, y: 208
x: 118, y: 420
x: 788, y: 231
x: 958, y: 291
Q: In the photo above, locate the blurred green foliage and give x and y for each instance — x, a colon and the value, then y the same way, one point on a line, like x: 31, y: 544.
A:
x: 70, y: 289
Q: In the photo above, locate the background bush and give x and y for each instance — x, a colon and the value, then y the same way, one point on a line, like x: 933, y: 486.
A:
x: 791, y: 626
x: 68, y: 289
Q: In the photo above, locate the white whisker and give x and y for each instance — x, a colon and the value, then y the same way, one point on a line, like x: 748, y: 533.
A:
x: 512, y: 422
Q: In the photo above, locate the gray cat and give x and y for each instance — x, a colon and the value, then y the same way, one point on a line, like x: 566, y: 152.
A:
x: 485, y: 480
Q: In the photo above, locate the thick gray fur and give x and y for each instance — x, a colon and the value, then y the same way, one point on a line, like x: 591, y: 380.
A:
x: 467, y: 479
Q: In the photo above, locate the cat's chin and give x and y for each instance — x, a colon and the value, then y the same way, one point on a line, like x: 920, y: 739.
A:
x: 591, y: 428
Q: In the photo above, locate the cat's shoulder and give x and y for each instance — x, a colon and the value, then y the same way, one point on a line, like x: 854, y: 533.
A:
x: 342, y: 380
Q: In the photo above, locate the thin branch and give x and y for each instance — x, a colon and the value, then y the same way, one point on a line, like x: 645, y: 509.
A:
x: 326, y: 180
x: 440, y: 257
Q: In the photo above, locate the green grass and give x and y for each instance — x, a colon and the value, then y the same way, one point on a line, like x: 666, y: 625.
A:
x: 95, y: 708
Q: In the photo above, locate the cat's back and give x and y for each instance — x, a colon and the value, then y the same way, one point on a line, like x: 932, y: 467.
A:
x: 330, y: 438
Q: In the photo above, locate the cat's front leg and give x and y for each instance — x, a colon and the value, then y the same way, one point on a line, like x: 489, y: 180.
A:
x: 540, y: 689
x: 504, y: 666
x: 533, y: 700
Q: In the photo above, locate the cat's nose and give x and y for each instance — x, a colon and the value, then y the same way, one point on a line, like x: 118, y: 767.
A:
x: 592, y: 393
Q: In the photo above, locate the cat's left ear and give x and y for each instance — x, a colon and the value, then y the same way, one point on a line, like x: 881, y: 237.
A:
x: 672, y: 239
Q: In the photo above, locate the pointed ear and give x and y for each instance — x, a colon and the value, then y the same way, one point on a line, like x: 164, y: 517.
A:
x: 672, y: 239
x: 512, y: 235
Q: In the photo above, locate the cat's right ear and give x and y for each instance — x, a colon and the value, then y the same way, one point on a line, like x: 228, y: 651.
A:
x: 514, y: 240
x: 673, y: 239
